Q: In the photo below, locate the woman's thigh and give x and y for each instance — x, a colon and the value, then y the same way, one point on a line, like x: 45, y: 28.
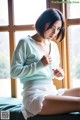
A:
x: 60, y: 105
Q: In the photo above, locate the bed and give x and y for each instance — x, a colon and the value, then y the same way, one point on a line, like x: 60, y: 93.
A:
x: 13, y: 107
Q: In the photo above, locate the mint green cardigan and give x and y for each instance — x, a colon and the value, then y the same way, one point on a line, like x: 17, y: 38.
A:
x: 26, y: 63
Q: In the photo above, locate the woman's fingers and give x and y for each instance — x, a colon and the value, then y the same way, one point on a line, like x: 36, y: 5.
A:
x: 58, y: 72
x: 46, y: 60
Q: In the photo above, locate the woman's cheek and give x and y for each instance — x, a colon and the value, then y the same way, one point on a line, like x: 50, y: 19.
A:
x: 47, y: 34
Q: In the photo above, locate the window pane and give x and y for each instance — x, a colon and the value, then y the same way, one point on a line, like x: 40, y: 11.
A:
x: 23, y: 34
x: 73, y: 9
x: 3, y: 12
x: 18, y: 36
x: 27, y: 11
x: 4, y: 65
x: 74, y: 46
x: 5, y: 87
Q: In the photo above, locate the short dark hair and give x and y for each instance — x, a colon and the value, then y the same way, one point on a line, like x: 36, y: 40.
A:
x: 50, y: 15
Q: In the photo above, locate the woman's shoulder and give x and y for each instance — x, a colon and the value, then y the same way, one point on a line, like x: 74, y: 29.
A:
x: 23, y: 43
x: 24, y: 40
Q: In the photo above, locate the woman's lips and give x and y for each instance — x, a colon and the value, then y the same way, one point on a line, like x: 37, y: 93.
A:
x: 51, y: 36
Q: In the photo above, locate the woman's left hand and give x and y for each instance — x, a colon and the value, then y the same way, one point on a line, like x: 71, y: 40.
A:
x: 58, y: 73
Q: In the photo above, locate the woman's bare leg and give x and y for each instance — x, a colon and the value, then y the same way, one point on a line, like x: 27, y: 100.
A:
x: 72, y: 92
x: 61, y: 104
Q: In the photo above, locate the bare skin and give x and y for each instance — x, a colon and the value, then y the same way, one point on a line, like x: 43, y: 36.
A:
x: 70, y: 101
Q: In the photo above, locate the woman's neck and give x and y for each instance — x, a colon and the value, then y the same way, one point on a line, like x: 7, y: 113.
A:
x: 43, y: 44
x: 38, y: 38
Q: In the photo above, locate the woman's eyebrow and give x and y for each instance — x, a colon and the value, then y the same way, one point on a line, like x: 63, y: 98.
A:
x: 55, y: 26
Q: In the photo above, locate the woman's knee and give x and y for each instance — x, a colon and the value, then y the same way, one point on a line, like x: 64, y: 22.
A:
x: 72, y: 92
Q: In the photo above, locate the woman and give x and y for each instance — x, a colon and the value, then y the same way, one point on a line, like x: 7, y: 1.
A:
x: 36, y: 62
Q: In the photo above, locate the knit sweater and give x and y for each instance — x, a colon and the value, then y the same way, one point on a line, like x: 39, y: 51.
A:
x: 26, y: 62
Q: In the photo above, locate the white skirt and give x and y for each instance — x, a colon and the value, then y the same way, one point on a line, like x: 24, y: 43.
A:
x: 33, y: 97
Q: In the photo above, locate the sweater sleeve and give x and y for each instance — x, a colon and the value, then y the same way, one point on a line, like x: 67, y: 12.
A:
x: 18, y: 68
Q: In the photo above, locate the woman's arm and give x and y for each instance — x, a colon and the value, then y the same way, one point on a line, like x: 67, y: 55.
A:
x: 18, y: 67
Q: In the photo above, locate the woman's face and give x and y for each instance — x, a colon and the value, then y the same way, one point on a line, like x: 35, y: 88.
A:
x: 53, y: 31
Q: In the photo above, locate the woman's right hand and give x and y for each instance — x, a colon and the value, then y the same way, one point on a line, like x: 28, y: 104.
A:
x: 46, y: 60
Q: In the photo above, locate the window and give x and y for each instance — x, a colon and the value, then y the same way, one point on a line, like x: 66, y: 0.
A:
x: 27, y: 11
x: 5, y: 82
x: 3, y: 12
x: 73, y: 9
x: 73, y: 39
x: 74, y: 46
x: 17, y: 18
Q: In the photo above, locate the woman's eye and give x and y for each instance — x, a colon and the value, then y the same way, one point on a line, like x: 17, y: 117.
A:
x: 52, y: 27
x: 59, y: 29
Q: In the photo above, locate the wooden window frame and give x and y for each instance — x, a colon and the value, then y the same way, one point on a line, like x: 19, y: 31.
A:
x: 69, y: 22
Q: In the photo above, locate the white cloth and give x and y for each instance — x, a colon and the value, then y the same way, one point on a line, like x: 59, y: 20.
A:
x: 33, y: 97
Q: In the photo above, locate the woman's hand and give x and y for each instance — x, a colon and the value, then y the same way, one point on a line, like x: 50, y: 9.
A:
x: 46, y: 60
x: 58, y: 73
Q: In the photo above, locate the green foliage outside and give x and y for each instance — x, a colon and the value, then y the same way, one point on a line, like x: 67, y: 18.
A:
x: 4, y: 66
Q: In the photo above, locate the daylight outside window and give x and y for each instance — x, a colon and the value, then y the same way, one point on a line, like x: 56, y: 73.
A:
x: 73, y: 12
x: 74, y: 46
x: 5, y: 84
